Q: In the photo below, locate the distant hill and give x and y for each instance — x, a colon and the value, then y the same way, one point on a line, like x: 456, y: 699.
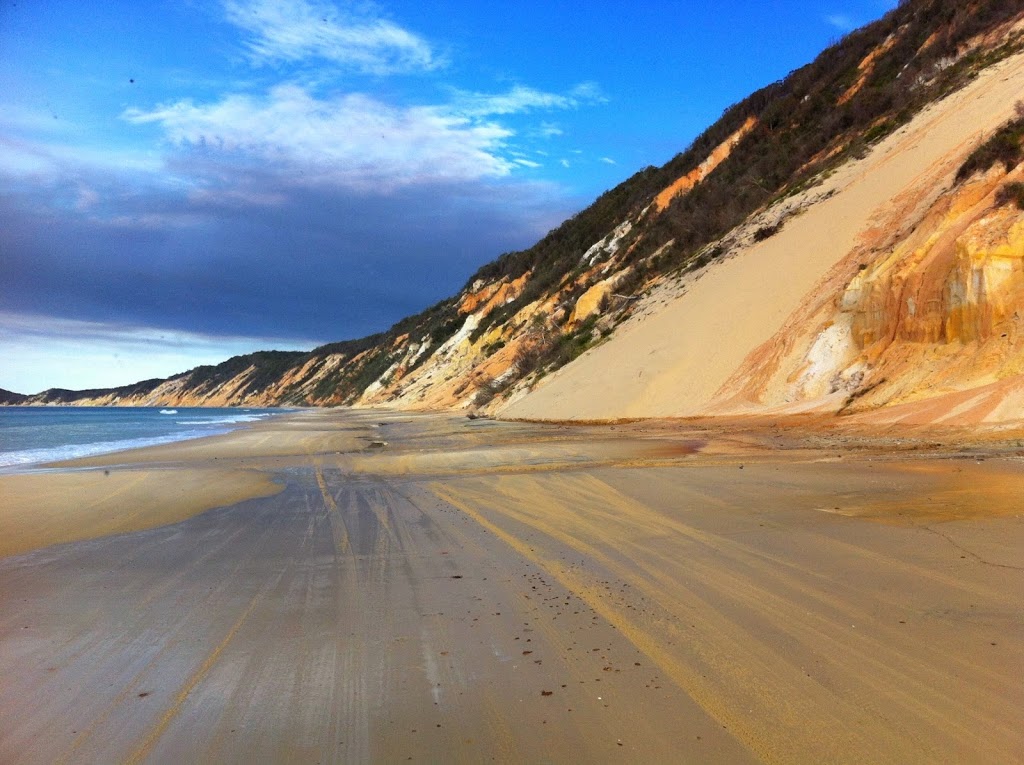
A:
x: 7, y: 398
x: 771, y: 163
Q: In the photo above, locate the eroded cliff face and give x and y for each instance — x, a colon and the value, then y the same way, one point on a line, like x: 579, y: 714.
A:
x: 934, y: 314
x: 942, y: 314
x: 478, y: 363
x: 717, y: 156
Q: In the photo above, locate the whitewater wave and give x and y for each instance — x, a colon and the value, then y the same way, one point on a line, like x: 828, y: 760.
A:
x: 168, y: 411
x: 223, y: 420
x: 192, y: 425
x: 74, y: 451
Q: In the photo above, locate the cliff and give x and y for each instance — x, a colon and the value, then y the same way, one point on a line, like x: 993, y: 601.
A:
x: 896, y: 280
x: 930, y: 318
x: 812, y: 249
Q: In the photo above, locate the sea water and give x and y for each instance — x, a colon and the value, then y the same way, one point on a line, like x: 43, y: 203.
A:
x: 34, y: 435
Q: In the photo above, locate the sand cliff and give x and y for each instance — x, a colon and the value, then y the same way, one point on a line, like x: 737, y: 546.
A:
x: 898, y: 287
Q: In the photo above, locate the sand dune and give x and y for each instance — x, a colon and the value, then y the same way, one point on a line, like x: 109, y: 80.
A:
x: 675, y: 358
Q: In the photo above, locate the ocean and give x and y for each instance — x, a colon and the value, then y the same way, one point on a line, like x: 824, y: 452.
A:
x: 34, y: 435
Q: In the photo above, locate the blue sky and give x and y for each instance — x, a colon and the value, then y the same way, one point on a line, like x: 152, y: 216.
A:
x: 183, y: 181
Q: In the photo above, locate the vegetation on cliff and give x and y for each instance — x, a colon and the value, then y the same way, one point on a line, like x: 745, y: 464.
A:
x: 1005, y: 147
x: 9, y: 398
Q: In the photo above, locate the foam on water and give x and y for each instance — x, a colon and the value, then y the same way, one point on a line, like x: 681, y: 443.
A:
x: 32, y: 436
x: 226, y: 420
x: 28, y: 457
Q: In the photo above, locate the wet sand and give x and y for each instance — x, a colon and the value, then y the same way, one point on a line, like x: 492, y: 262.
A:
x: 401, y: 586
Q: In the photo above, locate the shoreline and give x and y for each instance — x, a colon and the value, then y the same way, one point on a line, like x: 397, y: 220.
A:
x: 45, y: 457
x: 161, y: 484
x: 146, y: 487
x: 127, y: 495
x: 177, y: 480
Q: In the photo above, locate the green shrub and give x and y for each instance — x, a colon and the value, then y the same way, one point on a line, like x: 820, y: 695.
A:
x: 767, y: 232
x: 492, y: 348
x: 879, y: 131
x: 1006, y: 145
x: 444, y: 331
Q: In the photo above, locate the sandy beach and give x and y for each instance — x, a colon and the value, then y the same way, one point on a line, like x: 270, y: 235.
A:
x: 372, y: 586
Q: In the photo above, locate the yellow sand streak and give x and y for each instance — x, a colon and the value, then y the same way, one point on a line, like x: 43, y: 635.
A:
x: 645, y: 642
x: 340, y: 531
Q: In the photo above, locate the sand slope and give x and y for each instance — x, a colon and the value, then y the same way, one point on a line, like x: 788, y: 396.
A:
x: 673, y: 359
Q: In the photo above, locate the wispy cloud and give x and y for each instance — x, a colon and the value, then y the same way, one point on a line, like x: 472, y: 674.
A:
x: 353, y: 140
x: 549, y: 130
x: 608, y: 161
x: 357, y: 141
x: 148, y: 221
x: 28, y: 326
x: 522, y: 98
x: 293, y: 30
x: 304, y: 133
x: 87, y: 198
x: 841, y: 21
x: 16, y: 118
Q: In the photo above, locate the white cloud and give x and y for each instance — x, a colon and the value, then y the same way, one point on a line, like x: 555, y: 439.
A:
x: 564, y: 163
x: 522, y: 98
x: 294, y: 30
x: 353, y: 140
x: 589, y: 92
x: 841, y: 21
x: 20, y: 159
x: 549, y: 130
x: 608, y: 161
